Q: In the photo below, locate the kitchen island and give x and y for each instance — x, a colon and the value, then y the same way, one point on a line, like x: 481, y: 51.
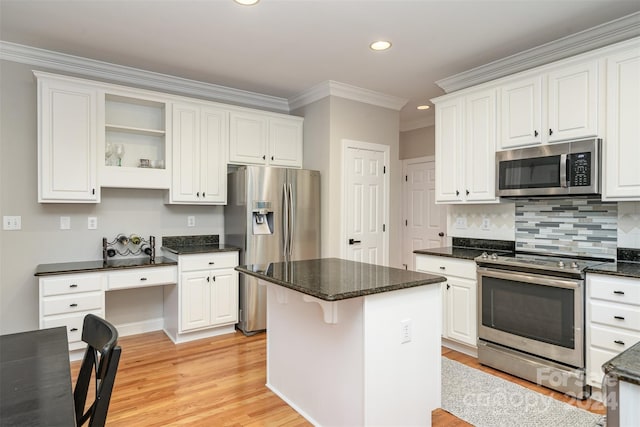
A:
x: 350, y: 343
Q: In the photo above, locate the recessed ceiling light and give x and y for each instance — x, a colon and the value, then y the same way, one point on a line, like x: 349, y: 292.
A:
x: 423, y: 107
x: 247, y: 2
x: 380, y: 45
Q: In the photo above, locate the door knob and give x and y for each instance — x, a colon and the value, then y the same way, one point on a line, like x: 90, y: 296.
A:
x: 351, y: 241
x: 441, y: 234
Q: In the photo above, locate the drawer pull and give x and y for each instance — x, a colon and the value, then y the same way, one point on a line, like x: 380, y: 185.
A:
x: 618, y: 292
x: 143, y: 279
x: 73, y: 286
x: 443, y: 268
x: 618, y: 317
x: 73, y: 305
x: 211, y: 262
x: 619, y: 342
x: 73, y: 329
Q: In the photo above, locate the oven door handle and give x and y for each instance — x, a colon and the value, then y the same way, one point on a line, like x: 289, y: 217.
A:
x: 535, y: 279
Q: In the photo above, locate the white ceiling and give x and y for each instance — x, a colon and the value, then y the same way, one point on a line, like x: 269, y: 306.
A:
x: 284, y: 47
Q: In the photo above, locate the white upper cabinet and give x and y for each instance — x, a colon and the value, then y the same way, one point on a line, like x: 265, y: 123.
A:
x: 521, y: 113
x: 550, y: 107
x: 465, y: 148
x: 264, y: 139
x: 67, y: 133
x: 621, y: 175
x: 134, y: 140
x: 200, y: 135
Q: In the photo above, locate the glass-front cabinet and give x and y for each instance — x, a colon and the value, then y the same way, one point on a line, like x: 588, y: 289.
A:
x: 135, y: 141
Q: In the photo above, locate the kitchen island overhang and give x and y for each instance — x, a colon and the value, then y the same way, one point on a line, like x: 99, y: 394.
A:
x: 350, y: 343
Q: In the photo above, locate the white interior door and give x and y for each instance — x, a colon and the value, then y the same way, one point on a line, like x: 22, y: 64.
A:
x: 365, y: 205
x: 425, y: 223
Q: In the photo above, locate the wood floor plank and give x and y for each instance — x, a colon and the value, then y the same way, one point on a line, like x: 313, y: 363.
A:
x: 221, y: 382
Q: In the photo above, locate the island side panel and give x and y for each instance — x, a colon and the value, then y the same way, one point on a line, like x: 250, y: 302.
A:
x: 316, y: 367
x: 402, y: 380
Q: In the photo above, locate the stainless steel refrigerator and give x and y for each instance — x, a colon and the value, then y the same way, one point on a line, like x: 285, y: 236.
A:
x: 273, y: 215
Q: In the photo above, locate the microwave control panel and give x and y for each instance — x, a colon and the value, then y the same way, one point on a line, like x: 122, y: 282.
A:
x: 579, y: 165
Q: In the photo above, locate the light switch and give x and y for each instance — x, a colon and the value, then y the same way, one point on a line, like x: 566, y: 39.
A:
x: 191, y: 221
x: 11, y: 222
x: 92, y: 223
x: 65, y: 223
x: 461, y: 222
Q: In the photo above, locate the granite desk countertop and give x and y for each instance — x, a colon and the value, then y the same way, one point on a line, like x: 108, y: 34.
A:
x: 199, y: 249
x: 626, y: 365
x: 620, y: 268
x: 100, y: 266
x: 333, y: 279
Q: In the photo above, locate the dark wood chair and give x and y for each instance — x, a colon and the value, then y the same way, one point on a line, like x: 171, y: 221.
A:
x: 100, y: 364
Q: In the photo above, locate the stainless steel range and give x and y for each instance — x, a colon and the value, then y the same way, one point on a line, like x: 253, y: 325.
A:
x: 531, y: 318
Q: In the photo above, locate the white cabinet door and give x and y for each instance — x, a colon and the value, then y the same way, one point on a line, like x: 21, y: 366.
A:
x: 186, y: 165
x: 449, y: 162
x: 213, y: 166
x: 248, y: 138
x: 521, y: 113
x: 200, y: 137
x: 224, y: 297
x: 285, y: 142
x: 67, y: 142
x: 195, y: 300
x: 573, y: 102
x: 622, y: 143
x: 461, y: 310
x: 480, y: 146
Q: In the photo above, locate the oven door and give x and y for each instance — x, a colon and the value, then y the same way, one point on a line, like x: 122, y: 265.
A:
x: 537, y: 314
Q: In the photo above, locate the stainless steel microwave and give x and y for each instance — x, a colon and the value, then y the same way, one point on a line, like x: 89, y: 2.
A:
x: 567, y: 168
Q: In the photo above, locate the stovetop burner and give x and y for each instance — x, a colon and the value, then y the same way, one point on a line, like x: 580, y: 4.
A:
x: 550, y: 263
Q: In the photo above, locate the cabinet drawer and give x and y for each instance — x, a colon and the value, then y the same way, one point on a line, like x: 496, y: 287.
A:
x: 209, y: 261
x: 72, y: 322
x: 595, y: 359
x: 446, y: 266
x: 141, y: 277
x: 71, y: 284
x: 613, y: 339
x: 72, y: 303
x: 617, y: 315
x: 615, y: 289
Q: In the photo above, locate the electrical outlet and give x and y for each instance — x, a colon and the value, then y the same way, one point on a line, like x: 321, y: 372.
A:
x: 405, y: 331
x: 11, y: 222
x: 461, y: 222
x: 486, y: 223
x: 191, y: 221
x: 65, y: 223
x: 92, y: 223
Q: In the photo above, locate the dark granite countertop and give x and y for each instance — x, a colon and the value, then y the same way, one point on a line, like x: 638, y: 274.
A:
x: 199, y: 249
x: 470, y: 249
x: 333, y: 279
x: 100, y: 266
x: 626, y: 365
x: 620, y: 268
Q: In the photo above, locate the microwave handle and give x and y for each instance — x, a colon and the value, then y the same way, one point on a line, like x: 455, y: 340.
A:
x: 563, y: 171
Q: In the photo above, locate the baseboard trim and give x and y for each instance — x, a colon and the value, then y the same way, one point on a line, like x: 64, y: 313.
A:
x: 461, y: 348
x: 134, y: 328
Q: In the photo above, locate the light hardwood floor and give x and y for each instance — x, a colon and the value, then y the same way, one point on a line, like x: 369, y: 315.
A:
x: 221, y: 382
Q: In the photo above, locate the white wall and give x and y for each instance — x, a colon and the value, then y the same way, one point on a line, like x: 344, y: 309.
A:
x: 40, y: 241
x: 419, y: 142
x: 352, y: 120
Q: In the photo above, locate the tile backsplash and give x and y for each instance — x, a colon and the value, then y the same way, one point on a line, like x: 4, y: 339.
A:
x: 577, y: 226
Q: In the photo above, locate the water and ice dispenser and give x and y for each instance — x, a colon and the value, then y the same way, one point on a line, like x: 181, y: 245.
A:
x: 262, y: 218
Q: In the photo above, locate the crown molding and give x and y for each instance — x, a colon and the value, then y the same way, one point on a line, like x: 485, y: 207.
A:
x: 422, y: 122
x: 91, y: 68
x: 597, y: 37
x: 343, y: 90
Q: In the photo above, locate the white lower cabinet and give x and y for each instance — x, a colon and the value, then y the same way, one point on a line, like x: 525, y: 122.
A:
x: 66, y: 299
x: 612, y: 321
x: 208, y: 290
x: 459, y: 296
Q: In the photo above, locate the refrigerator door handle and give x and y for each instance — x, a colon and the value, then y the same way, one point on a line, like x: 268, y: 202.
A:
x: 285, y: 220
x: 291, y: 225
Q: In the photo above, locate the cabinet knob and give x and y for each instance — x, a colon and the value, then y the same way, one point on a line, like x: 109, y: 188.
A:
x: 271, y: 157
x: 198, y: 194
x: 203, y: 194
x: 467, y: 192
x: 550, y: 132
x: 457, y: 193
x: 535, y: 133
x: 214, y: 278
x: 448, y: 286
x: 264, y: 157
x: 208, y: 279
